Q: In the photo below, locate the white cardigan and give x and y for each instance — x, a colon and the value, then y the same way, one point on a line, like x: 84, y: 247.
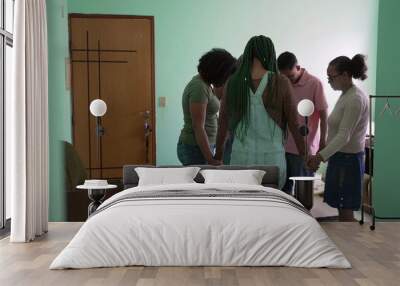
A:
x: 347, y: 124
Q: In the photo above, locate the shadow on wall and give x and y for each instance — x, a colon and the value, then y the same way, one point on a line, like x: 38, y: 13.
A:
x: 74, y: 174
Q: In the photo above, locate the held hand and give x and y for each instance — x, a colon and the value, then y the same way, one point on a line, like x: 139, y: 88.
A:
x: 308, y: 161
x: 313, y: 162
x: 214, y: 162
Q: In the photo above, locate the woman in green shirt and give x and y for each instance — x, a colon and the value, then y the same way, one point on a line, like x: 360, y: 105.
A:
x: 200, y: 106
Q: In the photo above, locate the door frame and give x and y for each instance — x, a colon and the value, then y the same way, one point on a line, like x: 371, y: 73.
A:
x: 153, y: 159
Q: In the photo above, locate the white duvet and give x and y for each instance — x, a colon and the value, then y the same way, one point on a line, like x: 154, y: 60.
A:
x: 199, y: 231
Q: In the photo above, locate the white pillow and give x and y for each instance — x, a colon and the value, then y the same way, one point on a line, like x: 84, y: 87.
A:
x: 165, y: 176
x: 248, y: 177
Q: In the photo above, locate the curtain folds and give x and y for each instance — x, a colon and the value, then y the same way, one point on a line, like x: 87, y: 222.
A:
x: 27, y: 122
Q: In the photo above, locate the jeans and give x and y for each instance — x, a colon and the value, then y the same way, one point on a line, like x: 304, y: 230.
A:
x: 191, y: 154
x: 294, y: 168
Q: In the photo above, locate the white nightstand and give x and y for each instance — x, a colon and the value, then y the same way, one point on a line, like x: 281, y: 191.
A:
x: 96, y: 195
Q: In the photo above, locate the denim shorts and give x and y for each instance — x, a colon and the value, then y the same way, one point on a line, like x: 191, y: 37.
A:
x: 344, y: 179
x: 191, y: 154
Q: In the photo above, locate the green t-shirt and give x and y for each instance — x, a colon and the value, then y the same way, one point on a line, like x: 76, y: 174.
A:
x: 197, y: 91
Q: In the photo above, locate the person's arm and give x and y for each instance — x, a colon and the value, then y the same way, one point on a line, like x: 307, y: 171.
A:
x: 323, y: 126
x: 347, y: 124
x: 198, y: 115
x: 222, y: 128
x: 321, y: 106
x: 290, y: 112
x: 314, y: 161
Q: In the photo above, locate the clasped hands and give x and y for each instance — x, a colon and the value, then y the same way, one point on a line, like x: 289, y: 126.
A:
x: 313, y: 162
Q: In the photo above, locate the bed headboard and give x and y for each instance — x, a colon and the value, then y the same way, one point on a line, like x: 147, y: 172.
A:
x: 270, y: 179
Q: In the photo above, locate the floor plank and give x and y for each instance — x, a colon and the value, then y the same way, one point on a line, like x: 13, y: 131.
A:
x: 375, y: 257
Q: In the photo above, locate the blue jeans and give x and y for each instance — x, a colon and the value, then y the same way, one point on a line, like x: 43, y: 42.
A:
x: 191, y: 154
x: 294, y: 168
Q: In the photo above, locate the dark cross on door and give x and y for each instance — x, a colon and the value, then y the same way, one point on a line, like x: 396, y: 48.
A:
x: 87, y: 61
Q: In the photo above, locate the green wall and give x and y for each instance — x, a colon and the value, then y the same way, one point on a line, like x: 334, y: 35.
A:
x: 59, y: 104
x: 184, y: 30
x: 386, y: 191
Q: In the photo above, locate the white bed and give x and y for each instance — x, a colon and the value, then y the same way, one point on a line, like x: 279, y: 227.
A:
x: 202, y: 231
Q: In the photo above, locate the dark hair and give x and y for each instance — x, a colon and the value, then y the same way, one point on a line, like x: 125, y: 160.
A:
x: 355, y: 67
x: 286, y: 60
x: 216, y: 66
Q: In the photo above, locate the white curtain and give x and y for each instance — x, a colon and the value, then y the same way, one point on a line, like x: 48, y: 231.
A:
x: 27, y: 124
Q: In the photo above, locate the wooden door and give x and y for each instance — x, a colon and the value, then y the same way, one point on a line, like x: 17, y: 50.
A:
x: 112, y: 58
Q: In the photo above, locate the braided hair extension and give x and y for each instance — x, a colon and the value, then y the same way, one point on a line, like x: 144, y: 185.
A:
x: 238, y: 88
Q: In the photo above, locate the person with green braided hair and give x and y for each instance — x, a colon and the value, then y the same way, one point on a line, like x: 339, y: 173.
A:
x: 257, y: 108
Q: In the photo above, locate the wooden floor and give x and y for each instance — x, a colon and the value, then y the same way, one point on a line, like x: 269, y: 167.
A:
x: 375, y: 257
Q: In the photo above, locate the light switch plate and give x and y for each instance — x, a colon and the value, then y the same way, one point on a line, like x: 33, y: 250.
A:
x: 162, y: 101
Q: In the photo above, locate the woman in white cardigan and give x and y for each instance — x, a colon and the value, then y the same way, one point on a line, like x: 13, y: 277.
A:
x: 347, y: 127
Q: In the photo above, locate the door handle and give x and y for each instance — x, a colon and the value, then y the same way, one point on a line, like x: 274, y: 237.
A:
x: 147, y: 132
x: 147, y: 126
